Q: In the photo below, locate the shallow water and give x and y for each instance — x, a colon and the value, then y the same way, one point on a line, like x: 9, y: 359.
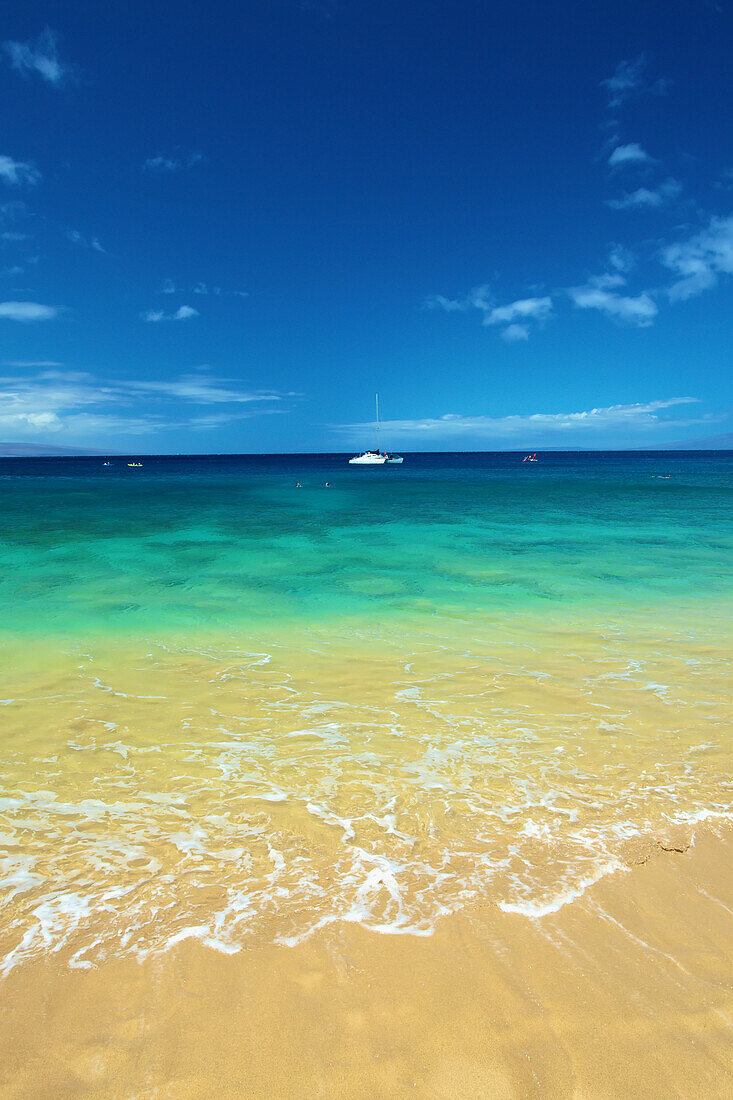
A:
x: 235, y: 710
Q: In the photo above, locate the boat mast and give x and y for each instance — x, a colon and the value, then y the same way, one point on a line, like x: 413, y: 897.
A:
x: 377, y: 400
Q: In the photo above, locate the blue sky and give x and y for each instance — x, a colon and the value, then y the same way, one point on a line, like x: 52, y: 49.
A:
x: 223, y: 230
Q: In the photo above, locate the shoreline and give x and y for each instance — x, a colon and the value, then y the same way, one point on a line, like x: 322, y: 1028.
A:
x: 296, y: 787
x: 626, y: 991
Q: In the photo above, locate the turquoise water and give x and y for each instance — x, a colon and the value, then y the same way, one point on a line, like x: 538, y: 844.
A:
x: 235, y: 709
x: 191, y: 543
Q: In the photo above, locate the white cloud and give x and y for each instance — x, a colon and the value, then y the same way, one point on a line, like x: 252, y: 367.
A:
x: 172, y: 162
x: 83, y: 408
x: 628, y: 154
x: 535, y: 309
x: 27, y: 311
x: 169, y: 287
x: 78, y: 238
x: 40, y: 57
x: 28, y: 405
x: 515, y: 333
x: 700, y: 259
x: 13, y: 213
x: 18, y: 172
x: 162, y: 164
x: 620, y: 258
x: 627, y: 79
x: 182, y: 314
x: 439, y: 301
x: 600, y: 292
x: 512, y: 429
x: 201, y: 389
x: 31, y: 363
x: 608, y: 281
x: 480, y: 298
x: 644, y: 198
x: 515, y: 315
x: 639, y: 310
x: 630, y: 79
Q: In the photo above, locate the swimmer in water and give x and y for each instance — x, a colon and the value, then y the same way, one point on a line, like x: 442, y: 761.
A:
x: 327, y: 485
x: 298, y: 485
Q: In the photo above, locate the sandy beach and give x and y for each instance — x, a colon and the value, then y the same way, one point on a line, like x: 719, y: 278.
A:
x: 285, y: 814
x: 366, y: 530
x: 626, y: 992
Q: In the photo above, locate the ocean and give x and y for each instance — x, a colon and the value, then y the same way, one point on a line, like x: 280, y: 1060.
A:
x: 244, y: 698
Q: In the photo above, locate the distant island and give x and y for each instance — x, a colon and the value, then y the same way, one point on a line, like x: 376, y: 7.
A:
x: 722, y: 442
x: 42, y: 450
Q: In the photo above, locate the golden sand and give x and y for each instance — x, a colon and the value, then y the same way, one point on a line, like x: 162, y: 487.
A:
x: 367, y: 864
x: 627, y: 992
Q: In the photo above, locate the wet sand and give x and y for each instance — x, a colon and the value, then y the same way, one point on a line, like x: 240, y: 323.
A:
x: 628, y: 991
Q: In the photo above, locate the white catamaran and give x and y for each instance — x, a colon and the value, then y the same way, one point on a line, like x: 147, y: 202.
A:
x: 375, y: 457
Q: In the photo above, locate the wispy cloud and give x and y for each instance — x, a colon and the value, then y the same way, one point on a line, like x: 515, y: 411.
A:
x: 725, y: 181
x: 40, y: 58
x: 516, y: 316
x: 30, y: 405
x: 13, y: 213
x: 86, y: 242
x: 201, y: 288
x: 515, y: 333
x: 172, y: 162
x: 18, y: 172
x: 646, y: 198
x: 84, y: 408
x: 169, y: 287
x: 203, y: 390
x: 629, y: 154
x: 524, y: 309
x: 600, y: 292
x: 639, y: 310
x: 183, y: 313
x: 31, y: 363
x: 450, y: 305
x: 620, y: 258
x: 701, y: 259
x: 627, y: 80
x: 480, y: 298
x: 630, y: 79
x: 28, y: 311
x: 574, y: 426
